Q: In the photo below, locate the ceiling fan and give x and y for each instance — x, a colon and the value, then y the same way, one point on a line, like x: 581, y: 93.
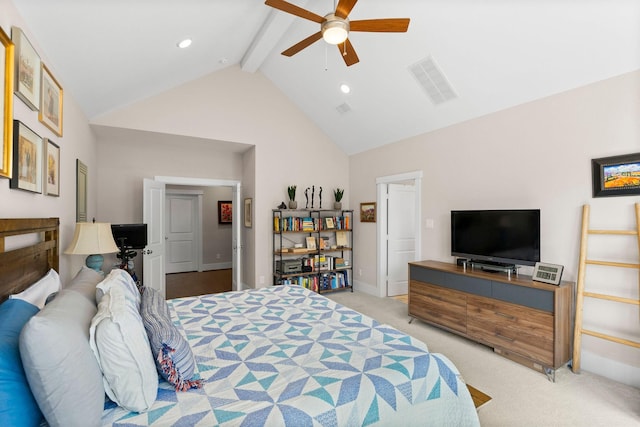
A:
x: 335, y: 27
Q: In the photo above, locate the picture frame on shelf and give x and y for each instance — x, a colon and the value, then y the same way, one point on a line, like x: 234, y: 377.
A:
x: 616, y: 175
x: 368, y: 212
x: 248, y: 207
x: 27, y: 159
x: 27, y: 70
x: 52, y: 168
x: 225, y: 212
x: 52, y: 102
x: 6, y: 108
x: 311, y: 243
x: 82, y: 178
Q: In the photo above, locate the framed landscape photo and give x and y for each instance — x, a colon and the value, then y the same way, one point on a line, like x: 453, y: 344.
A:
x: 225, y: 212
x: 51, y: 95
x: 368, y: 212
x: 248, y: 202
x: 616, y: 175
x: 27, y: 159
x: 28, y: 69
x: 6, y: 106
x: 52, y: 168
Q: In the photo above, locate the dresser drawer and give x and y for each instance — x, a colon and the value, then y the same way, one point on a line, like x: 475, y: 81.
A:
x: 442, y: 306
x: 522, y: 330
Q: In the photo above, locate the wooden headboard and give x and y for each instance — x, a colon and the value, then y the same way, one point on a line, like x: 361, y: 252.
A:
x: 22, y: 267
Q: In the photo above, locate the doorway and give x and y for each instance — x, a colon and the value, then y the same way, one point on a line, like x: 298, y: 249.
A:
x: 154, y: 216
x: 183, y: 230
x: 399, y: 238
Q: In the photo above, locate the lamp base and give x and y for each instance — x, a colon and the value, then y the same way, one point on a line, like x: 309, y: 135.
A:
x: 95, y: 262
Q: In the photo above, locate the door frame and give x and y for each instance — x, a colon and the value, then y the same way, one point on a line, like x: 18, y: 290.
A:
x: 197, y: 195
x: 382, y: 187
x: 236, y: 245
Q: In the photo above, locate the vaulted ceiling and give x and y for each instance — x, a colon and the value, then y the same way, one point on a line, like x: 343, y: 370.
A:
x: 494, y: 54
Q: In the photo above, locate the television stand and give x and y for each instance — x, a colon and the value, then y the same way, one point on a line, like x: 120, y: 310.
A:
x: 494, y: 267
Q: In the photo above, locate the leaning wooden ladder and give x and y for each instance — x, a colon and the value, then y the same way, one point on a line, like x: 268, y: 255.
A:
x: 578, y: 330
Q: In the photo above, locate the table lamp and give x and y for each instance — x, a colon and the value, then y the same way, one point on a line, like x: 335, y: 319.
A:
x: 92, y: 239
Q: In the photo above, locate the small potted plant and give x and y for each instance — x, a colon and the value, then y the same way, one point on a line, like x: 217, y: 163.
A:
x: 338, y: 193
x: 292, y: 196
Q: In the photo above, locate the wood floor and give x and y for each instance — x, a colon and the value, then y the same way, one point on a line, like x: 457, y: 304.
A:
x: 198, y: 283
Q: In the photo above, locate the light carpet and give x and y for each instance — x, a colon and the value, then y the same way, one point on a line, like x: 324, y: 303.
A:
x: 520, y: 396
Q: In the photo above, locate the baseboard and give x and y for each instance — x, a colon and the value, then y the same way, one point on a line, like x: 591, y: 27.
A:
x: 217, y: 266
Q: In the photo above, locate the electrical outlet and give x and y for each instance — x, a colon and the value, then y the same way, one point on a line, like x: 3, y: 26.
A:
x: 429, y: 223
x: 217, y: 256
x: 360, y: 272
x: 261, y: 279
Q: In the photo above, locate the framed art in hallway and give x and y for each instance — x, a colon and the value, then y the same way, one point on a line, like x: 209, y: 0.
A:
x: 616, y: 175
x: 51, y: 96
x: 248, y: 202
x: 52, y: 165
x: 6, y: 107
x: 27, y: 159
x: 368, y: 212
x: 225, y: 212
x: 82, y: 173
x: 27, y: 70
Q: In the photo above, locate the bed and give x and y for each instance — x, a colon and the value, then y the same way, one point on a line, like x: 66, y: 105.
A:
x: 277, y: 356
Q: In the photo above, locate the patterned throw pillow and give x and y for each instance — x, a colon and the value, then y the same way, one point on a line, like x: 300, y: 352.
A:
x: 174, y: 358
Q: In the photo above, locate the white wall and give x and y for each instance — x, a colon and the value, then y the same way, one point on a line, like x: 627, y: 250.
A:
x: 289, y: 148
x: 536, y: 155
x: 77, y: 142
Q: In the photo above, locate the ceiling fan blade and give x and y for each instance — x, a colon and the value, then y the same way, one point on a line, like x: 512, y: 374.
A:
x: 302, y: 44
x: 294, y: 10
x: 349, y: 53
x: 391, y: 25
x: 344, y: 8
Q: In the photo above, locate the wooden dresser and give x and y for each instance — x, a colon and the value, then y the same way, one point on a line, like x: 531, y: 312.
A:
x: 526, y: 321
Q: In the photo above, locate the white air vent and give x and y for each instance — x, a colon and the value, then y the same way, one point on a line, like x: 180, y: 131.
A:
x: 343, y: 108
x: 433, y: 81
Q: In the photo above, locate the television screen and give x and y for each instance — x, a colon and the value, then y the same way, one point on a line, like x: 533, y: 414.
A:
x: 500, y: 236
x: 133, y: 236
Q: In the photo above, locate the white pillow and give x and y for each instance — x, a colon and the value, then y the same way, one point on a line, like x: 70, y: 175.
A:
x: 120, y: 344
x: 37, y: 293
x: 121, y: 278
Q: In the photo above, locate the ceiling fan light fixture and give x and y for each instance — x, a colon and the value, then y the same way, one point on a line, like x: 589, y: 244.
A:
x: 335, y: 30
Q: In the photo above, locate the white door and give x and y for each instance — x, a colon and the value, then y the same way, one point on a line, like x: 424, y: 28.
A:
x: 401, y: 225
x: 181, y: 230
x: 153, y: 216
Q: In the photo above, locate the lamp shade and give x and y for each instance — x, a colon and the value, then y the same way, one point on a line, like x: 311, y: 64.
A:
x: 92, y: 238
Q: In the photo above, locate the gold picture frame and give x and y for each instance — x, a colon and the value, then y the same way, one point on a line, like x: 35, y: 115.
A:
x: 248, y: 208
x: 368, y: 212
x: 52, y: 168
x: 6, y: 109
x: 27, y: 159
x: 82, y: 178
x: 52, y: 100
x: 27, y: 70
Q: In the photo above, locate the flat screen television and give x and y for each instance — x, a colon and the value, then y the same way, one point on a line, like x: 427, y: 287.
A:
x: 130, y: 236
x: 503, y: 237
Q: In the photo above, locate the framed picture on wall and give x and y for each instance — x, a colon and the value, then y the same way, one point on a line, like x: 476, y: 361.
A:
x: 51, y: 109
x: 616, y: 176
x: 27, y: 159
x: 6, y: 104
x: 82, y: 173
x: 27, y: 66
x: 248, y: 202
x: 52, y: 168
x: 368, y: 212
x: 225, y: 212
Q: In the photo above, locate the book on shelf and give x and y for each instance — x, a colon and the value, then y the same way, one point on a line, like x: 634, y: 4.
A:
x: 329, y: 224
x: 311, y: 242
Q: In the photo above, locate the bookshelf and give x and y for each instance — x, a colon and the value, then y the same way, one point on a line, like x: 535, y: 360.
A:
x: 313, y: 248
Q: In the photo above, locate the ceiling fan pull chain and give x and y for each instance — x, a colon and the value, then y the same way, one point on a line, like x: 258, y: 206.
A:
x: 326, y: 58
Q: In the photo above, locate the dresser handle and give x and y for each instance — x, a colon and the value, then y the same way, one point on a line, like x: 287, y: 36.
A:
x: 508, y: 316
x: 505, y: 338
x: 434, y: 297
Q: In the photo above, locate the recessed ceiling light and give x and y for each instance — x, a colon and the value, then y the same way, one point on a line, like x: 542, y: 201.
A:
x: 345, y: 88
x: 184, y: 43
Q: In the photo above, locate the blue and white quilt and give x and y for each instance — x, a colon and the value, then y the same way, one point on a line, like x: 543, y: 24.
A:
x: 286, y: 356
